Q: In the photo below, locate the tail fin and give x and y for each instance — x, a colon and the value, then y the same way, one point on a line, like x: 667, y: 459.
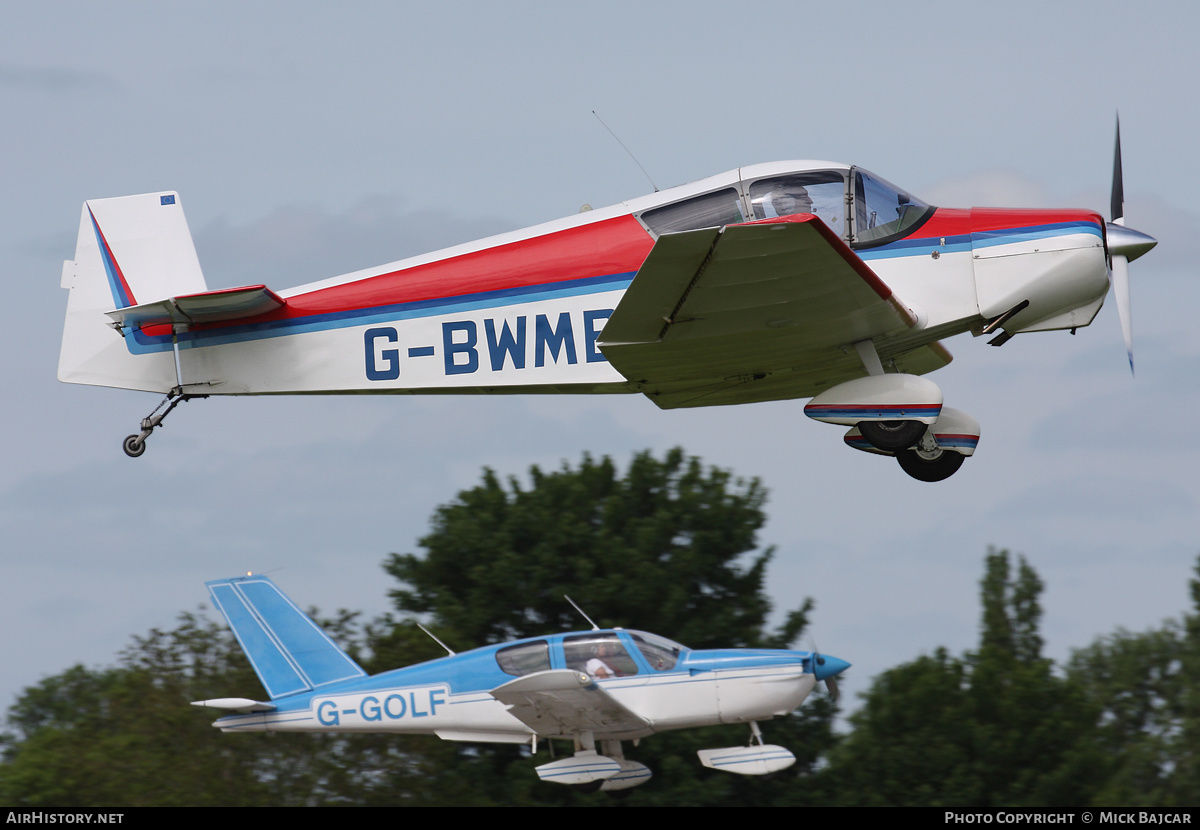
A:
x: 287, y: 649
x: 130, y: 250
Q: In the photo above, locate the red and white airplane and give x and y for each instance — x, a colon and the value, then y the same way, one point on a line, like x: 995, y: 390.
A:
x: 777, y: 281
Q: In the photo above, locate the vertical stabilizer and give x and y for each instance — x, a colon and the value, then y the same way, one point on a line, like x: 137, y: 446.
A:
x: 288, y: 650
x: 130, y: 250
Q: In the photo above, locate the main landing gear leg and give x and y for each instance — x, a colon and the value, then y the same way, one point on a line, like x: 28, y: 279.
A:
x: 135, y: 445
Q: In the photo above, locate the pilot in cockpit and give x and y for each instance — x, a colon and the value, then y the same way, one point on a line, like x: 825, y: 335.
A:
x: 600, y: 666
x: 794, y: 199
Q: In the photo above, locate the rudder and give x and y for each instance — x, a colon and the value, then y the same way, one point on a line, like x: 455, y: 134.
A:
x: 288, y: 651
x: 130, y: 250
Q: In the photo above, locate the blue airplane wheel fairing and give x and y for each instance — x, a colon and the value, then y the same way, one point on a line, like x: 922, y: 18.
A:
x: 923, y: 467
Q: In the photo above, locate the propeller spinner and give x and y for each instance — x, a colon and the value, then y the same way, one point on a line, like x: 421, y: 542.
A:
x: 827, y: 668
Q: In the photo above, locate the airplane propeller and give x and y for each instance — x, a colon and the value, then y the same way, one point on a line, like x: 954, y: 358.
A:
x: 826, y: 668
x: 1124, y: 246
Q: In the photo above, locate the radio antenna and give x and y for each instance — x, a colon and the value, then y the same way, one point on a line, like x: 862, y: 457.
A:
x: 644, y: 173
x: 449, y: 650
x: 576, y: 607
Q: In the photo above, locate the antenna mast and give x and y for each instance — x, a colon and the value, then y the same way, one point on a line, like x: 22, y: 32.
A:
x: 652, y: 184
x: 580, y: 610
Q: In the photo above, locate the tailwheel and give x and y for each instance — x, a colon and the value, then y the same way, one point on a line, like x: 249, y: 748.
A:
x: 134, y: 445
x: 935, y: 464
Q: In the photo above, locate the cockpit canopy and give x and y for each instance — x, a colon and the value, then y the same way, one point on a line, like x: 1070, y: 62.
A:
x: 860, y: 207
x: 600, y: 654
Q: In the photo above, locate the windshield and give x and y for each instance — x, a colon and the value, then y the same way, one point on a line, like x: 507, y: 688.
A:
x: 883, y: 212
x: 660, y: 653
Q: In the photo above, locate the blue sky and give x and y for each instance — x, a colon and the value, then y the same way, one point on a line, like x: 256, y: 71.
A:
x: 308, y: 140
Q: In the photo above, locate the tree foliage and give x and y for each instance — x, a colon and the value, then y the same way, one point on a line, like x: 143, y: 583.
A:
x: 126, y: 736
x: 1147, y: 690
x: 993, y: 728
x: 669, y: 546
x: 660, y: 548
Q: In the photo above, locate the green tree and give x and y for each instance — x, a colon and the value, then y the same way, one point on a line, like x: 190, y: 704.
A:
x: 1187, y: 777
x: 993, y: 728
x: 126, y: 736
x: 659, y: 549
x: 1135, y: 682
x: 669, y: 547
x: 1147, y: 690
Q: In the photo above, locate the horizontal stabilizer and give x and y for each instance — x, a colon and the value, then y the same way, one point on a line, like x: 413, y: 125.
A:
x: 208, y: 307
x: 748, y: 760
x: 235, y: 704
x: 479, y: 737
x: 288, y: 650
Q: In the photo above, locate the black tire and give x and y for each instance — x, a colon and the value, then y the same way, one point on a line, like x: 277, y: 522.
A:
x: 589, y: 787
x: 133, y: 445
x: 891, y: 436
x: 938, y: 468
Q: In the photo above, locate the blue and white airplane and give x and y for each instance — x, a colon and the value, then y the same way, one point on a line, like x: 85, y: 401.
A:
x: 802, y: 279
x: 597, y: 688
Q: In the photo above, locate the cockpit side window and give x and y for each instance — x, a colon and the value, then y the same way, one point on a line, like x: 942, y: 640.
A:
x: 600, y: 655
x: 820, y: 192
x: 712, y: 210
x: 884, y: 212
x: 524, y: 658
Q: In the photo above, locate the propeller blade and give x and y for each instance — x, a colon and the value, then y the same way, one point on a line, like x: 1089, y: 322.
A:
x: 1117, y: 202
x: 1124, y: 244
x: 832, y: 685
x: 1119, y: 277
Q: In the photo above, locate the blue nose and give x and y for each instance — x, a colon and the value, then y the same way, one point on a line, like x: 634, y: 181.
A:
x: 826, y: 666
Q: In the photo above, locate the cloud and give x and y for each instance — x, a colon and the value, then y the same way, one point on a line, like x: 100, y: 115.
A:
x: 54, y: 79
x: 989, y: 188
x: 301, y: 243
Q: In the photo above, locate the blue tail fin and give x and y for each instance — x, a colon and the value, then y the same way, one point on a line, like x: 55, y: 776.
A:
x: 287, y: 649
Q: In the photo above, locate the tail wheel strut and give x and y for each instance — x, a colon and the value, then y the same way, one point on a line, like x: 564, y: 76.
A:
x: 135, y: 445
